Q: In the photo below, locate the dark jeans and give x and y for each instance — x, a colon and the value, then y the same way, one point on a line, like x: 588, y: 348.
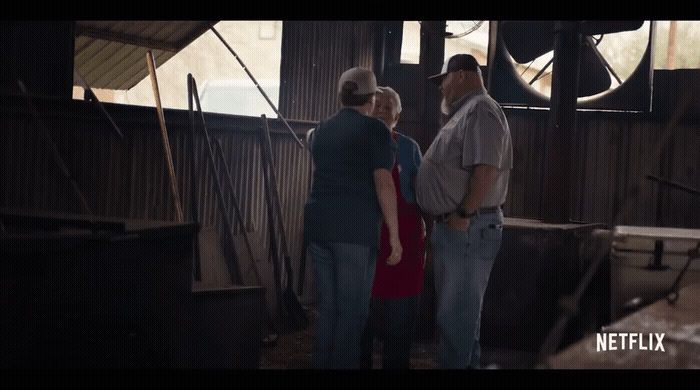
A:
x: 393, y: 321
x: 343, y: 275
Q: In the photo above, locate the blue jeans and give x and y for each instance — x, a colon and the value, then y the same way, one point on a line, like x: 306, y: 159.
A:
x: 463, y: 262
x: 343, y: 274
x: 393, y: 321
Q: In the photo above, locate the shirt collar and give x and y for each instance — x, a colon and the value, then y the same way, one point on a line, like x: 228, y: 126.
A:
x: 454, y: 107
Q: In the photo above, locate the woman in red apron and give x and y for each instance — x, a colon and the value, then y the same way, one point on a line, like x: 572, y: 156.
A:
x: 396, y: 289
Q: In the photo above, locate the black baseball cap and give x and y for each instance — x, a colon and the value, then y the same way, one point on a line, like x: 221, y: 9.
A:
x: 455, y: 63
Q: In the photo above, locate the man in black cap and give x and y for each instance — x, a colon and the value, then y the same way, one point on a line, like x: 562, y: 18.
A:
x: 352, y: 190
x: 462, y: 182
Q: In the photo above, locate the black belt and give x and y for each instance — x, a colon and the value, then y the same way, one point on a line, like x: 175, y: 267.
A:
x: 483, y: 210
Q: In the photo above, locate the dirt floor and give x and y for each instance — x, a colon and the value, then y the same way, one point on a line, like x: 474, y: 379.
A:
x: 293, y: 350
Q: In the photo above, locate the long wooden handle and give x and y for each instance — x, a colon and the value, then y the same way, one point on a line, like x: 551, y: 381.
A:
x: 164, y: 137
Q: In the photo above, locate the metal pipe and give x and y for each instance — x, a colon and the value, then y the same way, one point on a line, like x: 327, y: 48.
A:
x: 245, y: 68
x: 85, y: 85
x: 233, y: 270
x: 236, y: 208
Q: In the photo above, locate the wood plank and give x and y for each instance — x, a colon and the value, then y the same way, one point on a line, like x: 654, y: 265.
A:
x: 620, y: 232
x: 200, y: 288
x: 522, y: 223
x: 50, y: 220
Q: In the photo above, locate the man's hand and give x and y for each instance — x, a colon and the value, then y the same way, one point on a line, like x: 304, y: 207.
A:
x: 428, y: 252
x: 396, y: 251
x: 457, y: 223
x: 427, y: 224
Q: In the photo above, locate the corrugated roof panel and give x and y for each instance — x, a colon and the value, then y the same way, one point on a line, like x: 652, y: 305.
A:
x: 137, y: 70
x: 111, y: 54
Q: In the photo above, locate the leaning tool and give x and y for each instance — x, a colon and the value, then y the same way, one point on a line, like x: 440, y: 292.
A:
x: 245, y: 68
x: 164, y: 137
x: 291, y: 301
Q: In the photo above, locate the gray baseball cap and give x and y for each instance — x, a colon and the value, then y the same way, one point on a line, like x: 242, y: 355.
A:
x: 360, y: 81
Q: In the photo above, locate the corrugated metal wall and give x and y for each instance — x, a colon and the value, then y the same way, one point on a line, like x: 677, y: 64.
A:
x: 613, y: 154
x: 128, y: 179
x: 314, y: 55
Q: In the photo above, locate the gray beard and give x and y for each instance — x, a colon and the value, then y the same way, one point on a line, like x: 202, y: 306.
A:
x: 444, y: 107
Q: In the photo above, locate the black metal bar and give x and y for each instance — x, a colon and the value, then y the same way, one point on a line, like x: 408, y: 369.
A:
x: 194, y: 201
x: 672, y: 295
x: 193, y: 166
x: 602, y: 59
x: 272, y: 336
x: 236, y: 207
x: 233, y: 267
x: 561, y: 128
x: 245, y: 68
x: 273, y: 252
x: 302, y: 260
x: 273, y: 185
x: 302, y: 269
x: 85, y: 85
x: 544, y: 68
x: 294, y: 309
x: 674, y: 184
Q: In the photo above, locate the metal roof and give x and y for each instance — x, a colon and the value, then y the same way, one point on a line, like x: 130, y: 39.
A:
x: 112, y: 54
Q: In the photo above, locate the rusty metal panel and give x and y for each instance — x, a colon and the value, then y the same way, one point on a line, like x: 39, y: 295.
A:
x: 127, y: 177
x: 613, y: 153
x: 528, y: 129
x: 111, y: 54
x: 314, y: 55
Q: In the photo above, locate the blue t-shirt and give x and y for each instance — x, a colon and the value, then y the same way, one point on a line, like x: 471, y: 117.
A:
x: 409, y: 158
x: 343, y: 205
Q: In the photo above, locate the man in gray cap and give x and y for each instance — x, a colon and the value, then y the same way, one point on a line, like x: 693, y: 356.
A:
x: 462, y: 182
x: 352, y: 190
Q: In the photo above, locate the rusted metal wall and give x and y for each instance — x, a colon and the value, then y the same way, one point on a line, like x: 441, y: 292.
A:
x: 613, y: 154
x: 314, y: 55
x: 127, y: 178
